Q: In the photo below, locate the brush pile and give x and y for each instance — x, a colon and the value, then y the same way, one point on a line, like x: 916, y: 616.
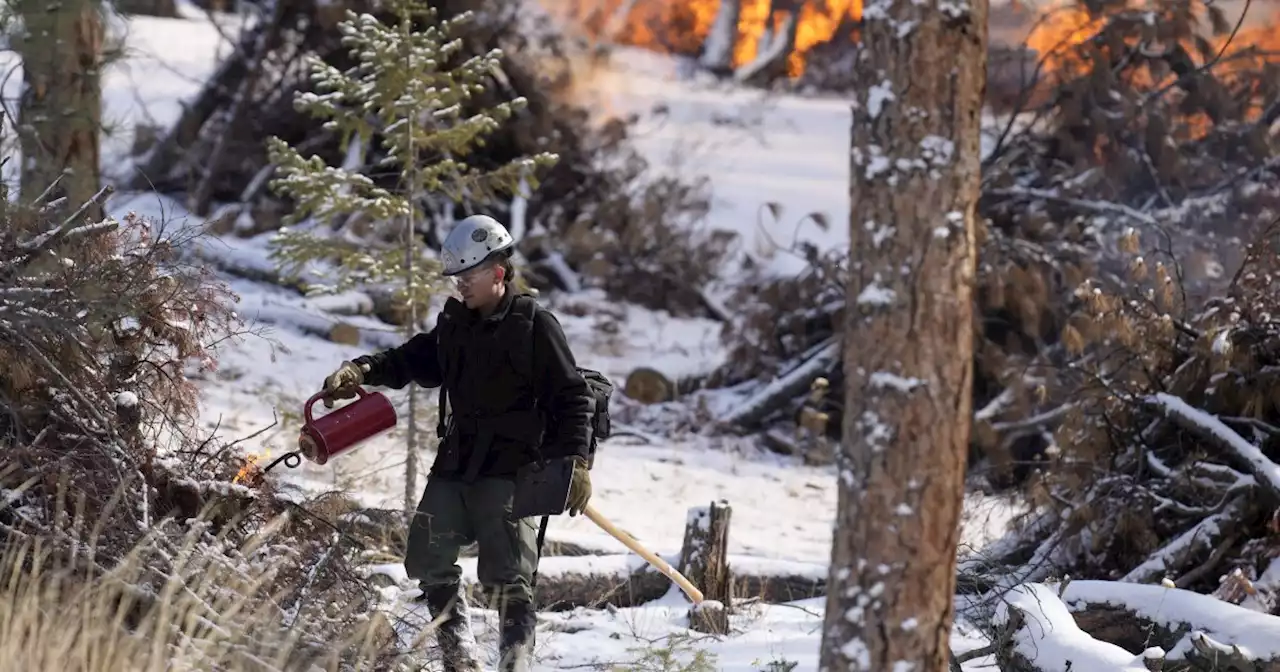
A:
x: 108, y: 480
x: 1142, y: 120
x: 1129, y: 348
x: 600, y: 217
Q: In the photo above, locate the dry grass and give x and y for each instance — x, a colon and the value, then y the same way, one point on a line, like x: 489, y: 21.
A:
x: 211, y: 611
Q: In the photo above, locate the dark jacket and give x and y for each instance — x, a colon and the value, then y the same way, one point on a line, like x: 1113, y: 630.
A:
x: 512, y: 384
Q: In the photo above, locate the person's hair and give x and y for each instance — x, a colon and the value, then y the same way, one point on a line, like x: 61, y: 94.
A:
x: 508, y: 271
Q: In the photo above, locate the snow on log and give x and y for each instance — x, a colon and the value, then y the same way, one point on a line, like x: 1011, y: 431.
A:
x: 1199, y: 631
x: 626, y: 580
x: 783, y: 389
x: 1042, y: 636
x: 242, y: 260
x: 1185, y: 547
x: 1210, y: 429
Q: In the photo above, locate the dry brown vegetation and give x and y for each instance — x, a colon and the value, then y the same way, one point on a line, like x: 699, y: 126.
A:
x: 602, y: 216
x: 116, y: 508
x: 207, y: 612
x: 1128, y: 251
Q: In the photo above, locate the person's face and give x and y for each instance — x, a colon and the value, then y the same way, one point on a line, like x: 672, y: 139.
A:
x: 480, y: 286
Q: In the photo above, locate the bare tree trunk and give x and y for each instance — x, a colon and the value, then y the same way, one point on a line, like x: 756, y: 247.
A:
x: 60, y: 117
x: 722, y: 39
x: 410, y: 251
x: 909, y: 337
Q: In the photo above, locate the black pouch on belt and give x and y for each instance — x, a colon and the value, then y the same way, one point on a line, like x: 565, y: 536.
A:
x: 542, y: 488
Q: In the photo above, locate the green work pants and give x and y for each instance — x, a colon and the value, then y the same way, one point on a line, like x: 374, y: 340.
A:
x: 453, y: 514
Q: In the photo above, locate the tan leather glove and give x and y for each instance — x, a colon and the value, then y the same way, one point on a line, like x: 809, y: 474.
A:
x: 342, y: 384
x: 579, y: 487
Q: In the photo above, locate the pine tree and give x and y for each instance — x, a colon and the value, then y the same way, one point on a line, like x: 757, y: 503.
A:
x: 409, y: 92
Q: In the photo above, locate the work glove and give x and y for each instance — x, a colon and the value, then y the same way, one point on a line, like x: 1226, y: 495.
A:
x: 579, y: 487
x: 342, y: 384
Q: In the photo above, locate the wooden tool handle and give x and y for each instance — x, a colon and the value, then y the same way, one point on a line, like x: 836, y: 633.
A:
x: 648, y: 555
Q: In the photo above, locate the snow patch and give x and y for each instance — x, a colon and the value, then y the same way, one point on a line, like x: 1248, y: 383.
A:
x: 876, y: 294
x: 885, y: 380
x: 878, y: 96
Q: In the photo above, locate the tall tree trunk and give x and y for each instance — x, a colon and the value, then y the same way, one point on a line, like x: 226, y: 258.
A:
x: 60, y: 114
x: 909, y: 335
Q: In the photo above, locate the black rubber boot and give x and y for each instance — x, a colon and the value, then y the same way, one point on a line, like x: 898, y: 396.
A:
x: 515, y: 648
x: 458, y: 649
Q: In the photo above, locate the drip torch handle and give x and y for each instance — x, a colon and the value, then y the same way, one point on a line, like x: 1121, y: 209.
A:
x: 306, y: 408
x: 318, y: 396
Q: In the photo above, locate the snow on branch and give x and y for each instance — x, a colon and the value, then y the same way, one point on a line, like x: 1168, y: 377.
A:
x: 1202, y: 536
x: 764, y: 401
x: 1046, y: 638
x: 72, y: 226
x: 1188, y: 625
x: 1209, y: 428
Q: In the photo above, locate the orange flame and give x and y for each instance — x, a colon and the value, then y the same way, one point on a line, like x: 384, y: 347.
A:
x: 1069, y: 25
x: 250, y: 468
x: 681, y: 26
x: 1062, y: 29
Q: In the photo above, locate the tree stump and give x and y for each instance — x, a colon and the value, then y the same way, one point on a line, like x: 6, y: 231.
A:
x: 704, y: 560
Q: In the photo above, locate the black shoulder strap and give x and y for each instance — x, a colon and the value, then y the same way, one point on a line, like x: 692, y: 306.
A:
x: 528, y: 308
x: 525, y: 305
x: 444, y: 338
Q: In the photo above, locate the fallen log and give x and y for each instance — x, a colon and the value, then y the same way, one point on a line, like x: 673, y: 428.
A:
x: 245, y: 262
x: 316, y: 324
x: 1211, y: 430
x: 1199, y: 632
x: 594, y: 581
x: 1036, y: 633
x: 1195, y: 543
x: 784, y: 389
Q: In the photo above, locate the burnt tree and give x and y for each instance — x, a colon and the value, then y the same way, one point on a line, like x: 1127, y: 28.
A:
x: 60, y: 113
x: 908, y: 336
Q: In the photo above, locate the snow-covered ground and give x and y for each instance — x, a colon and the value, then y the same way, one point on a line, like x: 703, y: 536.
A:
x: 792, y: 152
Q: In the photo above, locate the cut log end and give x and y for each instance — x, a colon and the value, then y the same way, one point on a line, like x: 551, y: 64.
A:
x: 648, y: 386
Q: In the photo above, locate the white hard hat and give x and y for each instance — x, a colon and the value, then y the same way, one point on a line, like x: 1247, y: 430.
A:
x: 472, y: 241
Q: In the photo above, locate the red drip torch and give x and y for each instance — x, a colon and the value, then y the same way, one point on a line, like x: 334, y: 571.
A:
x: 341, y: 430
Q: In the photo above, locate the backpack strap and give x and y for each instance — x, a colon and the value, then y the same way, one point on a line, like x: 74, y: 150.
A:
x: 446, y: 353
x: 527, y: 307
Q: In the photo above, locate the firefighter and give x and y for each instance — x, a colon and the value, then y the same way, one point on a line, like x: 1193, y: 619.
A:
x: 510, y: 393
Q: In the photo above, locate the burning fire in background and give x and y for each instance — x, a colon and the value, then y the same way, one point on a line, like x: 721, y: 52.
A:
x: 1067, y: 24
x: 251, y: 472
x: 681, y: 26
